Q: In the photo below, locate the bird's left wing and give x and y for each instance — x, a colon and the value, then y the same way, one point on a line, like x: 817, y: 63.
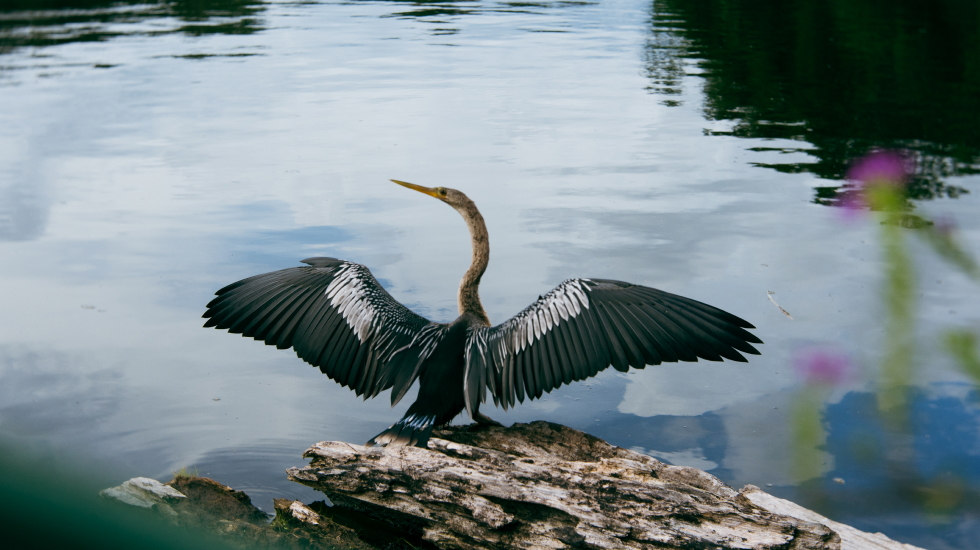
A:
x: 585, y: 325
x: 334, y: 314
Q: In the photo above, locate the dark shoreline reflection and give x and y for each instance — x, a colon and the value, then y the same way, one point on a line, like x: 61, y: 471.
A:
x: 29, y: 24
x: 447, y: 11
x: 42, y: 23
x: 838, y: 77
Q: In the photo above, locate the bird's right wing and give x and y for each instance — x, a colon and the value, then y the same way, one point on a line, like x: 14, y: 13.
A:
x: 335, y: 315
x: 585, y: 325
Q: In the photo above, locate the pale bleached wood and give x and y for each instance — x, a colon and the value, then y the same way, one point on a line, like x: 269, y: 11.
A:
x: 545, y: 486
x: 851, y: 538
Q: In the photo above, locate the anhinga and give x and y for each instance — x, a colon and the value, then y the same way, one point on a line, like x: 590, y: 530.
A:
x: 337, y: 317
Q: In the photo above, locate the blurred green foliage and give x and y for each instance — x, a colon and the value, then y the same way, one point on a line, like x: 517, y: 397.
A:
x: 808, y: 433
x: 962, y: 344
x: 899, y: 297
x: 45, y: 504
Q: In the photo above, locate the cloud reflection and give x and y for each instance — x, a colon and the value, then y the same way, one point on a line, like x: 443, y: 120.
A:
x: 24, y: 210
x: 45, y: 395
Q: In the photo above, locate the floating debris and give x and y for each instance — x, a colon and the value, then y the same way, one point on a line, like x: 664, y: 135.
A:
x: 786, y: 313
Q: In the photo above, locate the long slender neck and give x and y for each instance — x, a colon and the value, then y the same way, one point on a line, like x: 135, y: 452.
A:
x: 469, y: 296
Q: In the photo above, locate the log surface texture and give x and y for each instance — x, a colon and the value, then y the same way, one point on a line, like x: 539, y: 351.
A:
x: 546, y: 486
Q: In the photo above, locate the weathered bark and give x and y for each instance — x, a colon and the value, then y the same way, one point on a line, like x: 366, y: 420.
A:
x: 534, y: 485
x: 851, y: 538
x: 542, y: 485
x: 207, y: 507
x: 299, y: 526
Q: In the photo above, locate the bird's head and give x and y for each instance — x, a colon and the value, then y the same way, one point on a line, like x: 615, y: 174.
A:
x: 452, y: 197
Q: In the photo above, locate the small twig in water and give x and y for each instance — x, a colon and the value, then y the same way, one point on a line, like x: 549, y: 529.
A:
x: 786, y: 313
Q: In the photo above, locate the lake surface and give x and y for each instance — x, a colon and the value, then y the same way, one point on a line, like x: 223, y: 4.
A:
x: 153, y: 153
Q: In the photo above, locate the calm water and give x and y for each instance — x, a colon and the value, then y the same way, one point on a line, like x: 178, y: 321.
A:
x: 152, y: 153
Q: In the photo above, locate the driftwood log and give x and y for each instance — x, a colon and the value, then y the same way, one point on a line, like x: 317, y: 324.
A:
x: 542, y: 485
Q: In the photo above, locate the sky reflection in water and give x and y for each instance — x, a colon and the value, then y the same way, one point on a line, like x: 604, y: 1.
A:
x: 150, y: 154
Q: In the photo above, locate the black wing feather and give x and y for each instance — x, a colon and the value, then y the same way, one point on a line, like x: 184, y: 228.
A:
x: 626, y: 334
x: 651, y: 353
x: 594, y: 348
x: 658, y: 338
x: 334, y: 315
x: 618, y: 357
x: 584, y: 326
x: 672, y: 335
x: 542, y: 367
x: 575, y: 354
x: 519, y: 378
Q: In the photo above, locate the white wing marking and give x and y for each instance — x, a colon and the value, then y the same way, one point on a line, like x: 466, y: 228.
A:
x: 348, y: 296
x: 560, y: 305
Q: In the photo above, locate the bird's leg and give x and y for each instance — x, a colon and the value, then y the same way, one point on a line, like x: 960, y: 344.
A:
x: 481, y: 418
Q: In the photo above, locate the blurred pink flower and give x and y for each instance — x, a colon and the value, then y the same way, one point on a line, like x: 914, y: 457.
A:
x: 882, y: 167
x: 822, y: 366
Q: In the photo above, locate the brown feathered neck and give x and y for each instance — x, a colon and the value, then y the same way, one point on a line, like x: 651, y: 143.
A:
x: 469, y: 296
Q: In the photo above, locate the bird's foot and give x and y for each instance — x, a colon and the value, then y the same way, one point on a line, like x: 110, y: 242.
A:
x: 484, y: 419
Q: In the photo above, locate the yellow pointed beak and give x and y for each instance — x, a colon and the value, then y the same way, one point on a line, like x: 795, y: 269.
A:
x: 427, y: 190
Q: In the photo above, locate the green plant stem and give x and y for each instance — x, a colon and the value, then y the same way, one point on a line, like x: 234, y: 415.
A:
x: 896, y: 370
x: 962, y: 344
x: 808, y: 434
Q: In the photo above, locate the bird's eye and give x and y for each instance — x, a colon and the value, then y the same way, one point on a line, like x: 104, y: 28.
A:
x: 442, y: 192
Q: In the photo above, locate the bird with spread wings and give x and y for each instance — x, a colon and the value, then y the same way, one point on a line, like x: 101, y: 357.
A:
x: 336, y: 316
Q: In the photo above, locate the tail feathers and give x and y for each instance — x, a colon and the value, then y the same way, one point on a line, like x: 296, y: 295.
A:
x: 411, y: 430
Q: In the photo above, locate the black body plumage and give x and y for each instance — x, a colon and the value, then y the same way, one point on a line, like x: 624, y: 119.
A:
x: 336, y: 317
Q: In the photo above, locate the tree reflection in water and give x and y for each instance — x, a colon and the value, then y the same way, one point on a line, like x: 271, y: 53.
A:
x: 40, y: 23
x: 838, y: 77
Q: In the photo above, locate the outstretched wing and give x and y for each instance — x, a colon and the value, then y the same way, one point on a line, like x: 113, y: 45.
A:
x: 583, y: 326
x: 334, y: 314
